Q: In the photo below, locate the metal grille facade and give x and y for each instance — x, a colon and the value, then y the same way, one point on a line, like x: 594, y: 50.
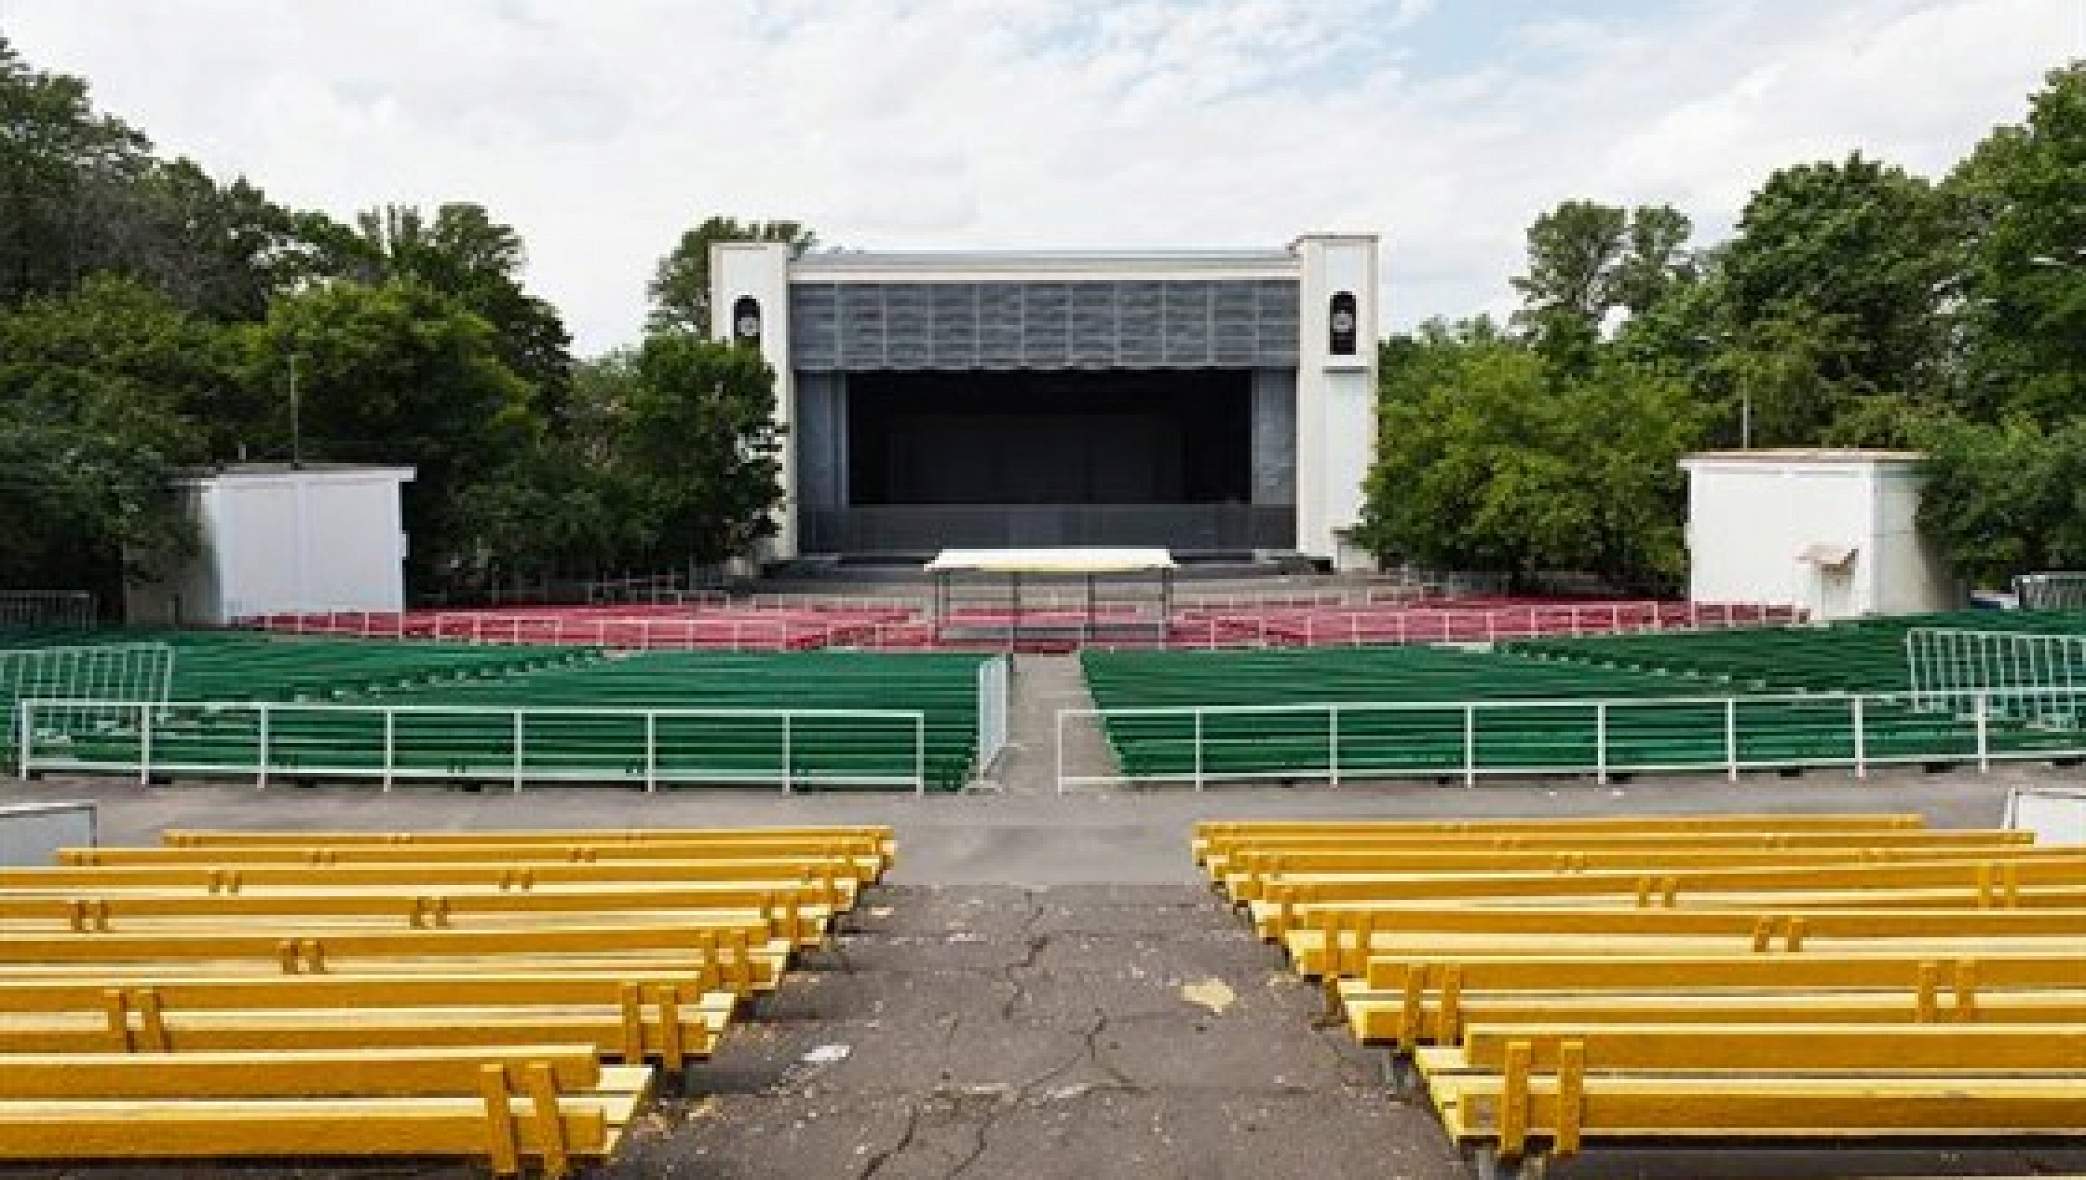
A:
x: 1110, y: 324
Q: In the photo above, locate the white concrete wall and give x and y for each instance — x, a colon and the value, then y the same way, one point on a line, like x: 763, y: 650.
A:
x: 1749, y: 519
x: 321, y: 539
x: 1336, y: 395
x: 1912, y: 575
x: 760, y: 270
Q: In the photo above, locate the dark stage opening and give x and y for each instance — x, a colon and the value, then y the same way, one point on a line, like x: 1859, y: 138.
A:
x: 1173, y: 437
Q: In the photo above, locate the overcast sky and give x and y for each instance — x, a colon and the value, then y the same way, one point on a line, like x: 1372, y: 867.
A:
x: 601, y: 128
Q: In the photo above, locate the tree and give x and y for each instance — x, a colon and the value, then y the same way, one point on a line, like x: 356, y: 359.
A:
x: 61, y: 165
x: 1585, y: 261
x: 680, y: 286
x: 99, y: 393
x: 1863, y: 251
x: 464, y: 254
x: 397, y: 373
x: 2007, y: 498
x: 1572, y: 255
x: 2021, y: 196
x: 698, y: 447
x: 1491, y: 458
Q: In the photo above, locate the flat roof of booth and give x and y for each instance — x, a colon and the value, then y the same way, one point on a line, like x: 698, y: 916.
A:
x: 1051, y: 561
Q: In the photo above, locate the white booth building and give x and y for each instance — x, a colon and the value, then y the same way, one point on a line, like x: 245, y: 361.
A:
x: 277, y: 539
x: 1832, y: 531
x: 1207, y: 402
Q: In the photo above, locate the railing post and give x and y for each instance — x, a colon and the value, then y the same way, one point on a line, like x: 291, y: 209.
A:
x: 390, y: 746
x: 785, y: 751
x: 1198, y: 748
x: 1984, y: 743
x: 518, y: 751
x: 1332, y: 742
x: 1060, y: 751
x: 144, y: 744
x: 1470, y: 745
x: 651, y: 751
x: 1861, y: 749
x: 1600, y: 743
x: 919, y: 753
x: 1731, y: 738
x: 28, y: 719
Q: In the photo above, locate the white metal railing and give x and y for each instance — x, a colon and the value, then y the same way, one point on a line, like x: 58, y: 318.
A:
x: 394, y: 743
x: 48, y: 608
x: 750, y: 626
x: 994, y: 689
x: 1744, y: 730
x: 2054, y: 590
x: 1405, y: 626
x: 107, y: 671
x: 2040, y: 674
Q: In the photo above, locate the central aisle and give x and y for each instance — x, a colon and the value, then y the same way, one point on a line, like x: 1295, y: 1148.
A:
x: 1075, y: 1032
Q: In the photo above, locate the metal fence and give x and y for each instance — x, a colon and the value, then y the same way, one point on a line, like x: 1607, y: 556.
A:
x: 1600, y: 738
x: 129, y: 672
x: 994, y: 690
x: 2038, y: 676
x: 48, y: 608
x: 786, y: 748
x: 2051, y: 591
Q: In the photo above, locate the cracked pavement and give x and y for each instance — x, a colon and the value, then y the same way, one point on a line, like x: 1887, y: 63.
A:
x: 1041, y: 1032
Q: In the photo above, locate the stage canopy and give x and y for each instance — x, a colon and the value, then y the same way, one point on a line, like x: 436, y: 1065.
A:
x: 1051, y: 561
x: 1087, y: 618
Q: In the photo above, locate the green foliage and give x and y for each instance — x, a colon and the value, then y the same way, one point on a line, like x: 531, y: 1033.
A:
x: 680, y: 287
x: 1586, y: 260
x: 97, y: 392
x: 2024, y: 313
x: 151, y: 316
x: 466, y: 255
x: 1855, y: 253
x: 699, y: 447
x: 1490, y: 458
x: 2007, y: 497
x: 395, y: 373
x: 1856, y: 305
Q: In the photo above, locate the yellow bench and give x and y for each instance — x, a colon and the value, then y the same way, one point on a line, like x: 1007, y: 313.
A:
x: 551, y: 1105
x: 1807, y: 1081
x: 834, y: 880
x: 1389, y: 1002
x: 791, y: 911
x: 1339, y: 940
x: 868, y: 866
x: 1247, y: 876
x: 1208, y: 831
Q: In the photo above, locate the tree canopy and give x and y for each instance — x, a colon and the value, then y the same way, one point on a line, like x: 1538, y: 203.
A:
x: 1854, y: 304
x: 151, y: 317
x: 680, y: 286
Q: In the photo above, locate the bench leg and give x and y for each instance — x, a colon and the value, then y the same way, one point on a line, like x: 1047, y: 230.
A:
x: 1486, y: 1162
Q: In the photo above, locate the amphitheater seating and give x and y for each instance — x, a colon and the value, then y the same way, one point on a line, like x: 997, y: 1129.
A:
x: 470, y: 734
x: 1272, y: 723
x: 1563, y: 985
x: 1861, y: 655
x: 249, y: 994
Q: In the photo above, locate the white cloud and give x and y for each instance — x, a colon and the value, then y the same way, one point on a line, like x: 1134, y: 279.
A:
x: 602, y: 129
